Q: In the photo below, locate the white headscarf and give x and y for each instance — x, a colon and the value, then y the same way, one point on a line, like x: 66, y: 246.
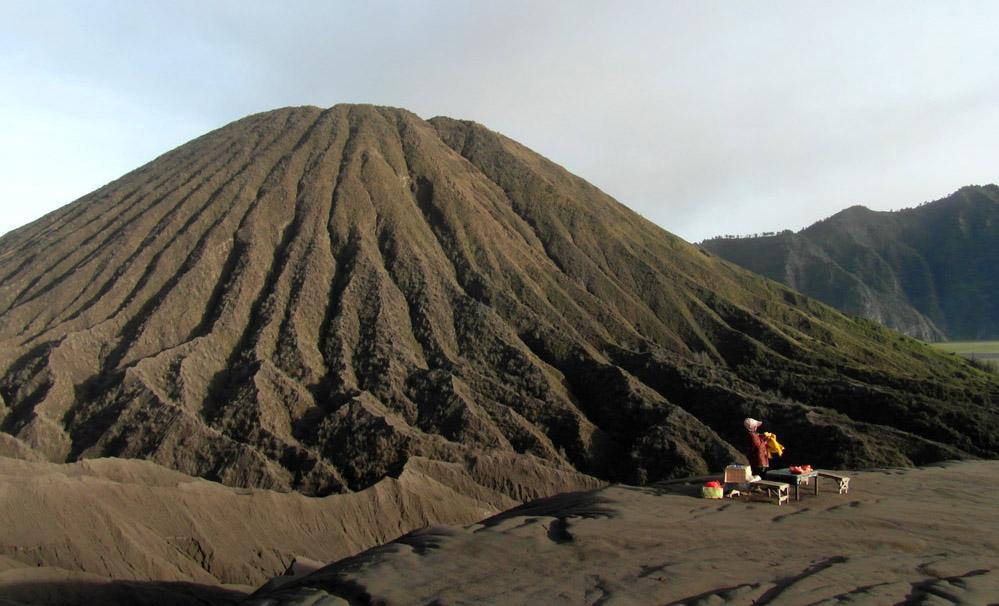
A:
x: 752, y: 424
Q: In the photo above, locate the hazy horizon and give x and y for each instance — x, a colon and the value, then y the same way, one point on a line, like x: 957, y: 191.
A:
x: 706, y: 118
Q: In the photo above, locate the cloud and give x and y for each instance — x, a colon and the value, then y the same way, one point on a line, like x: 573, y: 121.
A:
x: 705, y: 117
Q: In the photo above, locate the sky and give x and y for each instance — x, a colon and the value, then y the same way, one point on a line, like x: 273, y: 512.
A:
x: 708, y: 118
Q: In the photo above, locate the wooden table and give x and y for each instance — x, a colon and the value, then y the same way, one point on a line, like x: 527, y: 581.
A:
x: 773, y: 491
x: 842, y: 481
x: 795, y: 479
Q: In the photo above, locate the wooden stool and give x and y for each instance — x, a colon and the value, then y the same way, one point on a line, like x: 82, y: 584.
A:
x: 844, y: 481
x: 777, y: 491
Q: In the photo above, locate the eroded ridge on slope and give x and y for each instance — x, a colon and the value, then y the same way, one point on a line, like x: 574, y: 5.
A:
x: 306, y: 299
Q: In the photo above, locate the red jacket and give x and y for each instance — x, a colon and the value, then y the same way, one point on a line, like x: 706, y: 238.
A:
x: 758, y: 454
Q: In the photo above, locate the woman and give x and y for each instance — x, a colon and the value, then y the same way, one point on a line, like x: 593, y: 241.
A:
x: 759, y: 456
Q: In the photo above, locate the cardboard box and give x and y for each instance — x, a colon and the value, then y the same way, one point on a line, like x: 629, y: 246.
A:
x: 736, y: 474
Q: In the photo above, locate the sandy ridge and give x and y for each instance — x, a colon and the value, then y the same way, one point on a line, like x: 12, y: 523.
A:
x: 106, y: 520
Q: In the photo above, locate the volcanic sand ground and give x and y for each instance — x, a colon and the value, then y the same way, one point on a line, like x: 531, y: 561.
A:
x: 913, y: 536
x: 131, y: 532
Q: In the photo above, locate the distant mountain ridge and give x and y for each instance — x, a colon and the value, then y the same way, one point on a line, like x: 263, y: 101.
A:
x: 930, y: 271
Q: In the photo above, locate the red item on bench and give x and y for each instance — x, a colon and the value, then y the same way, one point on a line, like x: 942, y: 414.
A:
x: 713, y: 484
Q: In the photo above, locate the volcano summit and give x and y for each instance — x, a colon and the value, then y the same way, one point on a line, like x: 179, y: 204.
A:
x: 312, y: 300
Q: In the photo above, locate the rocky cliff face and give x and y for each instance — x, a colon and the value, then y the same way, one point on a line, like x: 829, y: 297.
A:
x: 928, y: 271
x: 308, y: 299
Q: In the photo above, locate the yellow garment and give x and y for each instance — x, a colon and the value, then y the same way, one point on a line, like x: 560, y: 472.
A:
x: 773, y: 446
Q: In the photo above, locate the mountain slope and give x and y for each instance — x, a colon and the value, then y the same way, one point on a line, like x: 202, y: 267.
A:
x: 927, y: 271
x: 306, y: 299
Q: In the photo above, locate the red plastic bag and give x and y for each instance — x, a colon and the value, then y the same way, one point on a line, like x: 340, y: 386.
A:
x: 713, y: 484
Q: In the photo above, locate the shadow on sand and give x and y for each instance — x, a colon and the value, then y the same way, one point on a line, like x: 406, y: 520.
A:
x: 139, y: 593
x: 687, y: 487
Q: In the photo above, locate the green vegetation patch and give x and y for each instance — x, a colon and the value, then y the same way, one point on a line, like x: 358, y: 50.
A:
x: 969, y: 347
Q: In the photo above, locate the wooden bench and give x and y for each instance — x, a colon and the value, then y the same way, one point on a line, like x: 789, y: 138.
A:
x: 777, y: 491
x: 842, y: 480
